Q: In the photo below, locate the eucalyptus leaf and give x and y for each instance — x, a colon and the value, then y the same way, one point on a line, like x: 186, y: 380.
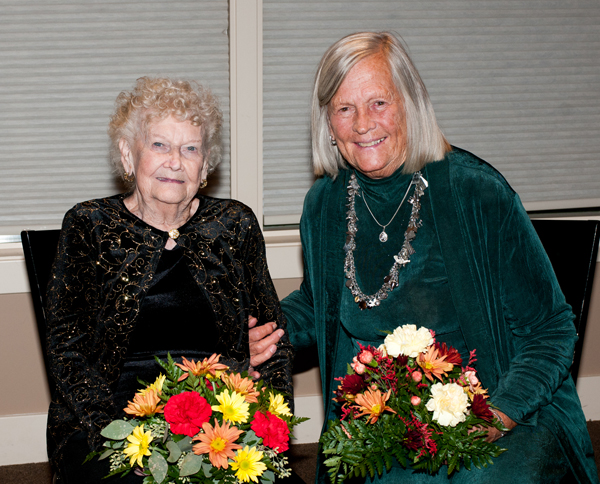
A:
x: 206, y: 467
x: 267, y: 476
x: 185, y: 444
x: 249, y: 438
x: 190, y: 465
x: 174, y: 452
x: 158, y: 467
x: 106, y: 453
x: 117, y: 430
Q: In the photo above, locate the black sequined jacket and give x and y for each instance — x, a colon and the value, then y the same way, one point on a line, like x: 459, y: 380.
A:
x: 104, y: 266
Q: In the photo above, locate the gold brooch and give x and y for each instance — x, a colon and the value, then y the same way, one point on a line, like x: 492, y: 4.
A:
x: 173, y: 234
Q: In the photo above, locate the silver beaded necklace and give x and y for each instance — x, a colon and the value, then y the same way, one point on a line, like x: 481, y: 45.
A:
x: 400, y: 260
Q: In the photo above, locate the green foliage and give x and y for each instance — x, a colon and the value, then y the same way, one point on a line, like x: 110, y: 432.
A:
x: 174, y: 452
x: 185, y: 444
x: 370, y: 449
x: 158, y: 466
x: 191, y: 464
x: 117, y: 430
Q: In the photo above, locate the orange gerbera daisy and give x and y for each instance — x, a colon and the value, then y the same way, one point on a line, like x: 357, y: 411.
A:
x: 208, y: 366
x: 372, y: 403
x: 144, y: 404
x: 433, y: 364
x: 243, y: 386
x: 218, y: 442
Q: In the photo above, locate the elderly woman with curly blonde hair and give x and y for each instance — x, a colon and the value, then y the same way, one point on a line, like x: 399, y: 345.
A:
x: 157, y: 269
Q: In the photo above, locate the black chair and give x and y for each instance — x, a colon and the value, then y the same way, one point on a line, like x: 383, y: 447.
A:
x: 39, y: 247
x: 572, y: 247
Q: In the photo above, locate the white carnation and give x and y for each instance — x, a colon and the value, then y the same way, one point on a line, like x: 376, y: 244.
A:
x: 448, y: 403
x: 408, y: 340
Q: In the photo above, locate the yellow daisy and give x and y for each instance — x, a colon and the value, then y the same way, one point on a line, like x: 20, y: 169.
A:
x: 278, y: 406
x: 156, y: 386
x: 233, y: 407
x: 138, y: 446
x: 247, y: 463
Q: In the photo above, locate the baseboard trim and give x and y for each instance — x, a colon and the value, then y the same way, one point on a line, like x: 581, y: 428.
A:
x: 24, y: 436
x: 23, y: 439
x: 311, y: 407
x: 588, y: 389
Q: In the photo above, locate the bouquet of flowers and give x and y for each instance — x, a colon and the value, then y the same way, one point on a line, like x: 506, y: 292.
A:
x: 409, y: 400
x: 201, y: 424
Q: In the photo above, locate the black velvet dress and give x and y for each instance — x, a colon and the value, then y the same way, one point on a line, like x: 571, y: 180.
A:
x: 173, y: 301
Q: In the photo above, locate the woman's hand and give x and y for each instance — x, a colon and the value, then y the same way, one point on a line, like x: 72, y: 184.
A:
x: 493, y: 433
x: 263, y: 341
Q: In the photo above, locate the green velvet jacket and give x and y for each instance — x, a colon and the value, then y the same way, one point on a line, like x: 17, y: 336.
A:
x: 103, y: 269
x: 509, y: 303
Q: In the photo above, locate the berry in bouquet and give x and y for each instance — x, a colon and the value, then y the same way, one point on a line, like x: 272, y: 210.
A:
x: 199, y: 423
x: 411, y: 401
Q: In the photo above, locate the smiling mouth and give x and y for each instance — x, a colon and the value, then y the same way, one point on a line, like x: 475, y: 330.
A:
x: 370, y: 143
x: 169, y: 180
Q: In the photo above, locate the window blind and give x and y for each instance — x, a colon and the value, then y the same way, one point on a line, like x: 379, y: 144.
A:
x: 517, y: 83
x: 63, y: 62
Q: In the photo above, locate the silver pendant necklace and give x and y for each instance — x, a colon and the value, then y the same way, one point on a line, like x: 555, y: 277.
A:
x: 400, y: 260
x: 383, y: 236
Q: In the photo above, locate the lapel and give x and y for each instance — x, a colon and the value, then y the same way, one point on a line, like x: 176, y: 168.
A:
x: 468, y: 301
x: 332, y: 238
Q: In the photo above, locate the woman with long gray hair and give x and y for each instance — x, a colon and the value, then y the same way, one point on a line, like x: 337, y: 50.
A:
x: 462, y: 259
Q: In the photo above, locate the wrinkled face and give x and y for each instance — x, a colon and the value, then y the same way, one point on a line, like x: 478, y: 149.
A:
x: 167, y: 161
x: 366, y: 118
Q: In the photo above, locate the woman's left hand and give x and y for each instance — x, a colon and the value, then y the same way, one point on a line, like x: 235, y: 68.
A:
x: 493, y: 433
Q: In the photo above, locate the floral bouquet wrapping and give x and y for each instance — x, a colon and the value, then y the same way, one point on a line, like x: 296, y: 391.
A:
x: 409, y: 400
x: 201, y: 424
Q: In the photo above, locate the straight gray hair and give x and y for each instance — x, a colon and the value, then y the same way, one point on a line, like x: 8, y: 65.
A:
x: 425, y: 141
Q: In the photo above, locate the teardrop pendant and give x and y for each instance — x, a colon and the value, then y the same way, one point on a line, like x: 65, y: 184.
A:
x: 383, y: 236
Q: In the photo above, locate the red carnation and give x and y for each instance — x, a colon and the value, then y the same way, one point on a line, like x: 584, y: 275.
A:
x: 273, y: 430
x: 186, y: 413
x: 481, y: 409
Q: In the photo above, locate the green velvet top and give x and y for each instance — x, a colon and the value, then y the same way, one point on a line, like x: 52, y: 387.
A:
x: 500, y: 290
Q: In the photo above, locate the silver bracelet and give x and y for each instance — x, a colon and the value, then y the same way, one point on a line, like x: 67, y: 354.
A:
x: 497, y: 415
